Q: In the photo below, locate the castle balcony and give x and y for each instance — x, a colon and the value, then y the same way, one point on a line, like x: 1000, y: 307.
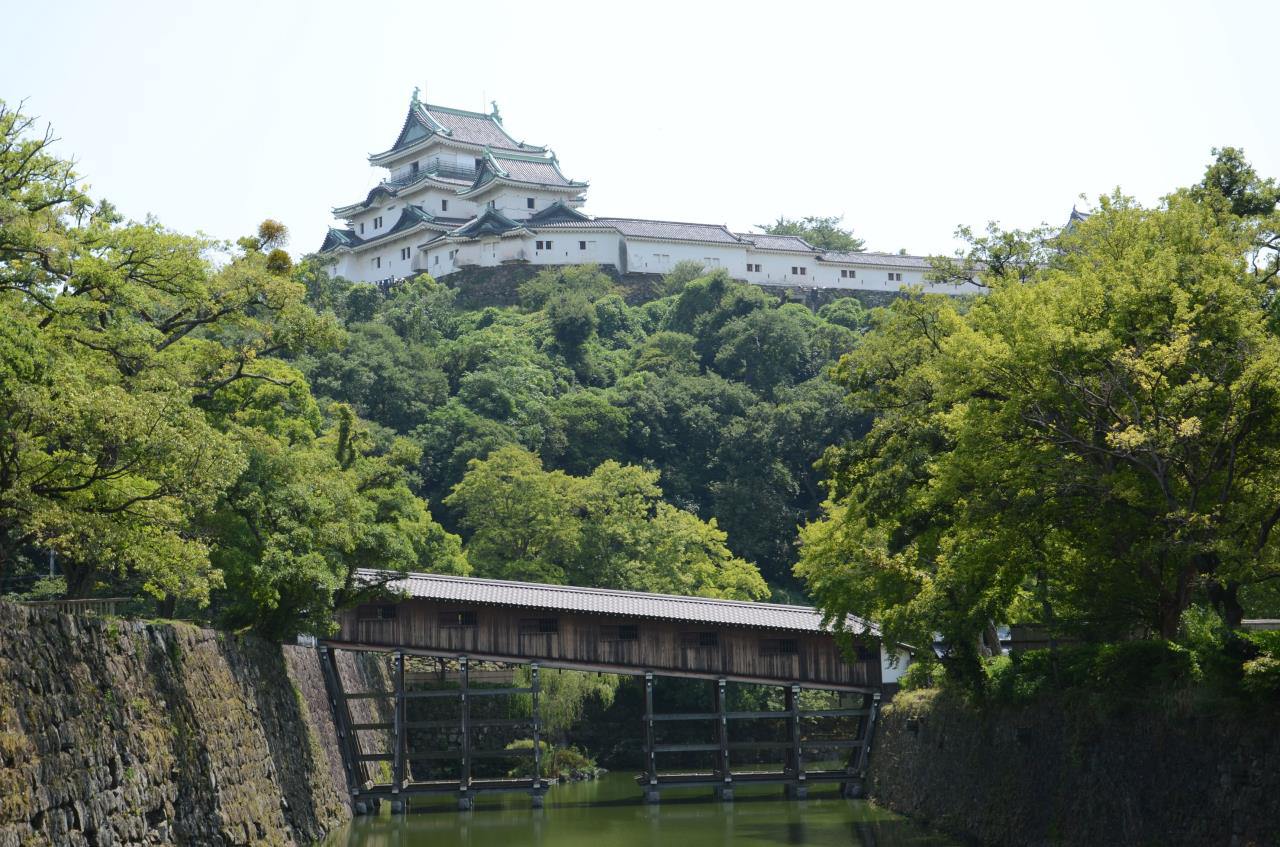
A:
x: 432, y: 167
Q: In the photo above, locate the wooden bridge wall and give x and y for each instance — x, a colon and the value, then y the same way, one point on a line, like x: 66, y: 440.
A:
x: 580, y: 640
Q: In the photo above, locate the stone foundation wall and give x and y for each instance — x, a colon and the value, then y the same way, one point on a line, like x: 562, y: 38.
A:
x: 1051, y: 774
x: 116, y: 732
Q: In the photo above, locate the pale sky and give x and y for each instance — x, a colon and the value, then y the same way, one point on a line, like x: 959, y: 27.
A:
x: 907, y: 118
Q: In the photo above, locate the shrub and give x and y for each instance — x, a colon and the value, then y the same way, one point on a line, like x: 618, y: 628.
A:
x: 922, y: 675
x: 1123, y: 667
x: 1262, y: 672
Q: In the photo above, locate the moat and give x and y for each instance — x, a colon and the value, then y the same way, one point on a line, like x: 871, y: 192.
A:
x: 609, y: 811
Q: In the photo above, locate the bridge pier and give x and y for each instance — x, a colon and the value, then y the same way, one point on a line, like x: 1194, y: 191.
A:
x: 794, y: 776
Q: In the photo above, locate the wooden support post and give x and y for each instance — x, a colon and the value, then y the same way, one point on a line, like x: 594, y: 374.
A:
x: 537, y: 736
x: 651, y: 762
x: 342, y: 719
x: 856, y: 786
x: 397, y: 767
x: 798, y: 788
x: 725, y: 789
x: 464, y: 782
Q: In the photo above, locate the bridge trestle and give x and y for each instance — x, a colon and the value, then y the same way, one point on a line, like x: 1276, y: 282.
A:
x: 804, y: 731
x: 376, y: 727
x: 383, y: 767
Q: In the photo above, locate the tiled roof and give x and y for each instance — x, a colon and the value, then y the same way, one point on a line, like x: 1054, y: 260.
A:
x: 602, y: 601
x: 336, y: 238
x: 671, y: 230
x: 896, y: 260
x: 490, y: 222
x: 557, y: 212
x: 764, y: 241
x: 472, y: 127
x: 537, y: 170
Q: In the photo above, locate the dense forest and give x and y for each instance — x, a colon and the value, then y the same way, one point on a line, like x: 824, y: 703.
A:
x: 1088, y: 442
x: 231, y: 435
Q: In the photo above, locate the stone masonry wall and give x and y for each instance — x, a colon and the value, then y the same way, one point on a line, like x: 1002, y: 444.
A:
x: 121, y: 733
x: 1051, y: 774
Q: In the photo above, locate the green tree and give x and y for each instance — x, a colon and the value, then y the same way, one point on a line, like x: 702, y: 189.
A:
x: 826, y: 234
x: 609, y: 529
x: 1093, y: 443
x: 585, y: 281
x: 116, y: 336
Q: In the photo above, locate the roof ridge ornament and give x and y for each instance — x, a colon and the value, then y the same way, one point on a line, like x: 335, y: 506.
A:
x: 495, y: 114
x: 416, y: 92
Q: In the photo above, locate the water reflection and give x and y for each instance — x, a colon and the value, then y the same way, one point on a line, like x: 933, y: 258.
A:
x: 608, y: 813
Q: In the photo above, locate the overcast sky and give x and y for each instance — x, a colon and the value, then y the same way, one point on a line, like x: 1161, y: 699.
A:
x: 907, y: 118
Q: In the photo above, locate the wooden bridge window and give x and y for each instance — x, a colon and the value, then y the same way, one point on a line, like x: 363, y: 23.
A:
x: 458, y: 618
x: 700, y: 639
x: 779, y: 647
x: 539, y: 626
x: 376, y: 613
x: 620, y: 632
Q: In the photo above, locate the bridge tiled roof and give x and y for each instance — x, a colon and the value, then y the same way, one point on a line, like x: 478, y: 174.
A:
x: 604, y: 601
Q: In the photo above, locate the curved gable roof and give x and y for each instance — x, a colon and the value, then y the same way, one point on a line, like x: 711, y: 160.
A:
x: 424, y: 120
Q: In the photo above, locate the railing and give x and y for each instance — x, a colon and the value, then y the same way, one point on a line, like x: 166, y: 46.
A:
x: 432, y: 167
x: 92, y: 605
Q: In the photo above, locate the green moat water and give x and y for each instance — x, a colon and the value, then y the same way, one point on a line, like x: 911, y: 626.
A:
x: 608, y: 812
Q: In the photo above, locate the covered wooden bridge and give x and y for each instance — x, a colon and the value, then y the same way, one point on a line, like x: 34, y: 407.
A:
x: 460, y: 622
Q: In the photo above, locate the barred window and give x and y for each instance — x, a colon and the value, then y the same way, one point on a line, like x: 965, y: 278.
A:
x: 458, y: 618
x: 376, y: 613
x: 539, y: 626
x: 779, y: 647
x: 620, y: 632
x: 700, y: 639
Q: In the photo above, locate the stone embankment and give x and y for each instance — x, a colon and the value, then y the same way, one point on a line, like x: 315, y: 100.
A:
x: 122, y: 733
x: 1059, y: 774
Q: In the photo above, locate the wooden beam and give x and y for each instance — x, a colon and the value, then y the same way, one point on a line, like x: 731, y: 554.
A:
x: 597, y: 667
x: 342, y: 718
x: 651, y: 763
x: 537, y: 728
x: 797, y: 752
x: 722, y: 734
x: 463, y: 669
x: 397, y: 767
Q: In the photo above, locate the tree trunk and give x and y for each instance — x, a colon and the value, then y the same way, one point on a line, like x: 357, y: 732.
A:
x: 1226, y: 599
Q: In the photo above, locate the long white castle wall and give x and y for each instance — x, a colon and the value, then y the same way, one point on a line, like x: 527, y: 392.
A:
x: 565, y: 246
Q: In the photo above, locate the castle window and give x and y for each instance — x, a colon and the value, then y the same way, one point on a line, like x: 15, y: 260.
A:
x: 753, y: 268
x: 435, y: 260
x: 404, y: 252
x: 529, y: 202
x: 582, y: 245
x: 362, y: 227
x: 895, y: 277
x: 804, y: 271
x: 377, y: 222
x: 795, y: 271
x: 444, y: 205
x: 413, y: 169
x: 377, y: 261
x: 847, y: 274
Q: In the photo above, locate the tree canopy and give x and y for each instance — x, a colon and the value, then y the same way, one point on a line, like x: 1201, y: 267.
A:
x: 1092, y: 445
x: 825, y: 233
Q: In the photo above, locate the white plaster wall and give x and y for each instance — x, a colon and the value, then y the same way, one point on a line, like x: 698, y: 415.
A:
x: 567, y: 247
x: 644, y: 256
x: 894, y: 662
